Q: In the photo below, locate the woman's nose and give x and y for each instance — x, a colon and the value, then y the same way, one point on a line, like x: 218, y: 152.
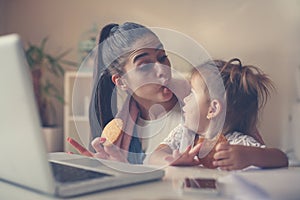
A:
x: 163, y: 72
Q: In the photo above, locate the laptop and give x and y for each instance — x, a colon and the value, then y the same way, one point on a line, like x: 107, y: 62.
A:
x: 23, y: 155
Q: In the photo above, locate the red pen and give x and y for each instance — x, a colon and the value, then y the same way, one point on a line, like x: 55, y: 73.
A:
x: 79, y: 147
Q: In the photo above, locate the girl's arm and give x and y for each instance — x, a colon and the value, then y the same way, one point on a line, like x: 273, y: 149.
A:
x: 234, y: 157
x: 257, y: 136
x: 164, y: 155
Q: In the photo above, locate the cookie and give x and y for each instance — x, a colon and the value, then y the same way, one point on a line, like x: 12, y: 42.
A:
x: 112, y: 131
x: 207, y: 161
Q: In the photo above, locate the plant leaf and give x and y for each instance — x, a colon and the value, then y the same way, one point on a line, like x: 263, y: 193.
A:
x: 70, y: 63
x: 63, y: 54
x: 43, y: 43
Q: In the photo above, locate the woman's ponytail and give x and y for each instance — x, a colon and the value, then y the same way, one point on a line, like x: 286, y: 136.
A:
x: 100, y: 111
x: 105, y: 32
x: 105, y: 99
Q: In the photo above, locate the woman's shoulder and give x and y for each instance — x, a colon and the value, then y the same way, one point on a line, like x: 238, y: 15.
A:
x: 238, y: 138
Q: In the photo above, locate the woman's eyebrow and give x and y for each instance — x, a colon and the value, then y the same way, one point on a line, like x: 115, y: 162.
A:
x: 140, y: 56
x: 159, y: 47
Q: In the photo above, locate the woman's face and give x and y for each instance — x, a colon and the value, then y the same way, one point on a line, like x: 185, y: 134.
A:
x: 196, y: 106
x: 148, y: 73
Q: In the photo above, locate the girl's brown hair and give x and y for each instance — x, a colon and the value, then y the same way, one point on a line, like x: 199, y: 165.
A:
x: 247, y: 90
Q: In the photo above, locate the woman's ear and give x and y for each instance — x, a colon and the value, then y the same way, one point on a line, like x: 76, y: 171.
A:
x: 214, y: 109
x: 118, y: 81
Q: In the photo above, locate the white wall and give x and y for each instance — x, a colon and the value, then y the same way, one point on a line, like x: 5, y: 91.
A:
x: 261, y: 33
x: 2, y: 16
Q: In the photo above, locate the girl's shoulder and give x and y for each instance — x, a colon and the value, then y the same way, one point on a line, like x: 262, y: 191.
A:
x: 237, y: 138
x: 174, y: 138
x: 178, y: 130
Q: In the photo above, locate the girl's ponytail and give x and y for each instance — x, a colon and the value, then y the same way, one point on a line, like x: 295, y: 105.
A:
x: 247, y: 90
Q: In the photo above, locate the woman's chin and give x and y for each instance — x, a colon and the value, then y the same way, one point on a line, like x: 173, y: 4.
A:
x: 167, y: 97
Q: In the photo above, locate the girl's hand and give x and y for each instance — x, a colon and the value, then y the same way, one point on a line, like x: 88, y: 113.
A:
x: 232, y: 157
x: 187, y: 158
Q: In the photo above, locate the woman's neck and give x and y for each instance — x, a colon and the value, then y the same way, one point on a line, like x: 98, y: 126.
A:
x: 152, y: 111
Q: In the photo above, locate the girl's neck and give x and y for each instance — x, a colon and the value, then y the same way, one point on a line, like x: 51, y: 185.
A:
x: 213, y: 129
x: 152, y: 111
x: 210, y: 131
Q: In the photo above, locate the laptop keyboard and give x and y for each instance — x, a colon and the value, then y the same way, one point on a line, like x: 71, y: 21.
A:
x: 66, y: 174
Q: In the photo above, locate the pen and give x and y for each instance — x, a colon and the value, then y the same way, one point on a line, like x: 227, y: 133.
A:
x: 79, y: 147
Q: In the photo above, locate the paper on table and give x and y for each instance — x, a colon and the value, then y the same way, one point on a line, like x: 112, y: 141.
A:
x: 237, y: 187
x: 262, y: 184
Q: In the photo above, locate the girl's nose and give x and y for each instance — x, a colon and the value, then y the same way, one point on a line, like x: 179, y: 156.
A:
x: 187, y: 98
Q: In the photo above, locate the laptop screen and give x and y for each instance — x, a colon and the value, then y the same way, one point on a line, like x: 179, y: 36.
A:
x: 22, y: 146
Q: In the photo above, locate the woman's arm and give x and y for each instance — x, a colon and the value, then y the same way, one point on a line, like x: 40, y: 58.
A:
x: 233, y: 157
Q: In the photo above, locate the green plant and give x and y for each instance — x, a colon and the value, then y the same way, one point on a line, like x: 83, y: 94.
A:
x: 43, y: 65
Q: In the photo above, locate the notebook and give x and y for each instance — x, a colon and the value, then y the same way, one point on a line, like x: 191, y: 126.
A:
x: 23, y: 156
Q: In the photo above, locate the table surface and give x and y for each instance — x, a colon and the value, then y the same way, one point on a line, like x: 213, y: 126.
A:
x: 167, y: 188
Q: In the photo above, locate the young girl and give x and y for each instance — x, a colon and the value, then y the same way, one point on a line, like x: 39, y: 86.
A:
x: 230, y: 108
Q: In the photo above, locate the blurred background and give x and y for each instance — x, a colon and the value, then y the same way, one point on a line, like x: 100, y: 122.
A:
x: 261, y: 33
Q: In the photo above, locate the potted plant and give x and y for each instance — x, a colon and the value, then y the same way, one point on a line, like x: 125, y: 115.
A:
x: 44, y: 65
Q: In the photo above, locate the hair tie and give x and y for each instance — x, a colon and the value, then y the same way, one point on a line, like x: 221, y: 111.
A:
x: 231, y: 61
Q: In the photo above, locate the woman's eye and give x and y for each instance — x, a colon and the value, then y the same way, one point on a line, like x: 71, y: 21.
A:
x: 163, y: 58
x: 146, y: 66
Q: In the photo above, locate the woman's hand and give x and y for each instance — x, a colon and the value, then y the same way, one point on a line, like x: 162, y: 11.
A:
x: 110, y: 152
x: 79, y: 148
x: 232, y: 157
x: 187, y: 158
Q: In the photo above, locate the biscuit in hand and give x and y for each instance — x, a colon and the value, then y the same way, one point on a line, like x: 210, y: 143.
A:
x: 112, y: 131
x: 207, y: 161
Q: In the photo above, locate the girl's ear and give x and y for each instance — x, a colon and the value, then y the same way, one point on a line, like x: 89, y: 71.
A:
x: 214, y: 109
x: 118, y: 81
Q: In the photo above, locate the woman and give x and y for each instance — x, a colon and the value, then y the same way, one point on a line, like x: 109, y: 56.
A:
x: 131, y: 57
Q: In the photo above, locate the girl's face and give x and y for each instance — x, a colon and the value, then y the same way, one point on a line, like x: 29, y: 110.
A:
x: 148, y: 73
x: 196, y: 106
